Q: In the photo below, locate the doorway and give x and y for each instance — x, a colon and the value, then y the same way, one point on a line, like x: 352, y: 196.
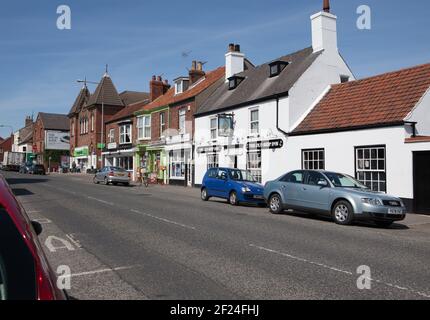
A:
x: 422, y: 182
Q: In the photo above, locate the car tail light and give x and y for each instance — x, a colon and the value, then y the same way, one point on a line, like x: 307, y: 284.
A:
x: 44, y: 286
x: 111, y: 174
x: 129, y: 175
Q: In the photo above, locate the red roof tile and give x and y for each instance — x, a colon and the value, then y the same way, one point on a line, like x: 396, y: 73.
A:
x: 379, y: 100
x: 170, y: 98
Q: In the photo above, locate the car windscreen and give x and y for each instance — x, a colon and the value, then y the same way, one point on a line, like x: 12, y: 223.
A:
x: 118, y: 169
x: 242, y: 175
x: 344, y: 181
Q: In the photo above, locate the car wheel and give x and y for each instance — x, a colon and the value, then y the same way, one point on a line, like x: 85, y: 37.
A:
x: 233, y: 198
x: 383, y: 224
x: 204, y: 194
x: 275, y: 204
x: 95, y: 180
x: 105, y: 181
x: 343, y: 213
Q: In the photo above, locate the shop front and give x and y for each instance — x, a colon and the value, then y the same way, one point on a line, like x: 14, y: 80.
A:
x: 155, y: 159
x: 180, y: 160
x: 81, y: 159
x: 121, y: 156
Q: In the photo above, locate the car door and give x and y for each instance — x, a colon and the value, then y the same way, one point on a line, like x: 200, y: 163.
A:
x: 315, y: 192
x: 290, y: 186
x: 221, y: 183
x: 209, y: 181
x: 100, y: 175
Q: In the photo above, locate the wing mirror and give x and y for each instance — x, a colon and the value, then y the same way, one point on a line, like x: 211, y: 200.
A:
x: 37, y: 227
x: 323, y: 183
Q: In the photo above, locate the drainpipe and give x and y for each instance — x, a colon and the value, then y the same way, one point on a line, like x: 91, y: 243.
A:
x: 277, y: 118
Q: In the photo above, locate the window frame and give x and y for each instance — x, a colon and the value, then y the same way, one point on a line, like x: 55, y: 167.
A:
x: 378, y: 171
x: 141, y: 129
x: 251, y: 110
x: 162, y: 123
x: 213, y: 129
x: 259, y: 176
x: 212, y: 164
x: 123, y: 134
x: 313, y: 160
x: 184, y: 115
x: 111, y: 135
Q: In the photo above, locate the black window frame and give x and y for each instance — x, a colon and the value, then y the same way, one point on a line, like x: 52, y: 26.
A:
x: 319, y: 160
x: 234, y: 82
x: 280, y: 66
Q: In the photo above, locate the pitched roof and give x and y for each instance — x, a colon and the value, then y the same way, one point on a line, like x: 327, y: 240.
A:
x: 26, y: 134
x: 1, y: 139
x: 130, y: 97
x: 81, y: 100
x: 54, y: 121
x: 258, y: 85
x: 127, y: 112
x: 380, y: 100
x: 170, y: 97
x: 105, y: 93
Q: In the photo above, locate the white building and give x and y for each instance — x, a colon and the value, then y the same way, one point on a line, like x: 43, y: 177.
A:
x: 265, y: 102
x: 377, y: 130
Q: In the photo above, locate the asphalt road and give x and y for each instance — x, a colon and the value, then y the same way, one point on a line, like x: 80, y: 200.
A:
x: 165, y: 243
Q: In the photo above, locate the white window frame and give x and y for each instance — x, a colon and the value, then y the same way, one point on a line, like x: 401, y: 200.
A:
x: 311, y: 159
x: 212, y: 160
x: 162, y: 123
x: 142, y: 125
x: 254, y: 164
x: 111, y: 135
x: 251, y: 132
x: 371, y: 170
x: 123, y: 133
x: 182, y: 113
x: 92, y: 122
x: 213, y: 129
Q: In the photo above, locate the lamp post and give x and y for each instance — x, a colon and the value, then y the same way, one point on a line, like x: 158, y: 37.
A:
x: 103, y: 111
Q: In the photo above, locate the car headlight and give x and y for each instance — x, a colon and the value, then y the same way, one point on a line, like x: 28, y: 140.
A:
x: 372, y: 201
x: 245, y: 189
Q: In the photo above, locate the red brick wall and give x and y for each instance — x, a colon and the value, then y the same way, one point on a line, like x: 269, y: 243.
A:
x: 5, y: 145
x: 38, y: 137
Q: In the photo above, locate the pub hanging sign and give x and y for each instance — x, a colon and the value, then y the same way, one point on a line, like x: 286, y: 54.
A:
x: 266, y: 144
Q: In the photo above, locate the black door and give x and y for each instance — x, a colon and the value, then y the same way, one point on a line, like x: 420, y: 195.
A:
x: 422, y: 182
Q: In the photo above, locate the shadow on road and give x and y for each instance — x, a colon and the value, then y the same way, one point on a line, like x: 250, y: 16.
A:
x: 22, y: 192
x: 12, y: 181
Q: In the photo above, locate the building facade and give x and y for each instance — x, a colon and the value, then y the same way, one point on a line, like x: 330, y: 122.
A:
x: 166, y: 127
x: 51, y: 139
x: 246, y: 122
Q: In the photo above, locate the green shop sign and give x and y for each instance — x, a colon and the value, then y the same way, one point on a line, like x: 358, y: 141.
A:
x: 81, y: 152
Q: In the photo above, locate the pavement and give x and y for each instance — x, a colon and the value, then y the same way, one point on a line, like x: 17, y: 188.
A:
x: 163, y: 242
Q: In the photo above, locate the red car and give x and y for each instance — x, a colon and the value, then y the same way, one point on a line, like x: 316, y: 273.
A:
x: 25, y: 273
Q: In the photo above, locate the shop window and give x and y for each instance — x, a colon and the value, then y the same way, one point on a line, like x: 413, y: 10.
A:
x: 126, y: 163
x: 371, y: 167
x: 254, y: 165
x: 178, y: 160
x: 125, y: 134
x: 313, y: 159
x: 212, y: 160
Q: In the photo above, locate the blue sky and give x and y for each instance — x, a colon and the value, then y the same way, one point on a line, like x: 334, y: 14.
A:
x: 39, y: 64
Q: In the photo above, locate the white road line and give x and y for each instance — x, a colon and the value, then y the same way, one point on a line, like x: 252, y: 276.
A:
x: 425, y: 295
x: 71, y: 237
x: 100, y: 200
x: 97, y: 271
x: 162, y: 219
x: 33, y: 211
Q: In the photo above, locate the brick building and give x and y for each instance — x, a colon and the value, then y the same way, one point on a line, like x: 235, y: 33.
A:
x: 50, y: 139
x: 5, y: 145
x: 165, y: 127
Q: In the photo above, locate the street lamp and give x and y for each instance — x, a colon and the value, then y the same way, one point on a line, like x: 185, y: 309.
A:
x: 103, y: 111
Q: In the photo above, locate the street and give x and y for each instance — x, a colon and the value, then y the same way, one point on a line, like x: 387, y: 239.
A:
x: 163, y: 242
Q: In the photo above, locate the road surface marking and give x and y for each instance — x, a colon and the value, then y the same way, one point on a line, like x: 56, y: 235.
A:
x: 71, y: 237
x: 425, y: 295
x: 42, y: 220
x: 100, y: 200
x: 33, y: 211
x: 162, y: 219
x: 98, y: 271
x: 66, y: 244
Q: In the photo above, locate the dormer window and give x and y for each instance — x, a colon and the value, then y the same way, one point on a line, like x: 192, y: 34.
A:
x: 233, y: 82
x: 181, y: 84
x: 276, y: 67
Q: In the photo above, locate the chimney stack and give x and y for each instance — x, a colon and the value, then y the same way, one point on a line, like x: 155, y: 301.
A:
x: 196, y: 72
x: 157, y: 87
x: 28, y: 121
x: 234, y: 61
x: 324, y: 30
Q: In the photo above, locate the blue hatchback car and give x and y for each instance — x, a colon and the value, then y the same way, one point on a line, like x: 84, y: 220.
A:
x: 235, y: 185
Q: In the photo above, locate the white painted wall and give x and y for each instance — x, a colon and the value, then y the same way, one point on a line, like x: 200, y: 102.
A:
x: 421, y: 115
x: 340, y: 154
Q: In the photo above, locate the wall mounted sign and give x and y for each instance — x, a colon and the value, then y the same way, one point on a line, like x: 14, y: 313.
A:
x: 267, y: 144
x: 209, y: 149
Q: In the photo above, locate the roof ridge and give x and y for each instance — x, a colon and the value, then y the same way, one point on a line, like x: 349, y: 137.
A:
x: 383, y: 74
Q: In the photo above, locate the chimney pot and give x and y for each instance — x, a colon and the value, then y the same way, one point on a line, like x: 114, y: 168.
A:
x: 159, y: 78
x: 237, y: 48
x: 153, y: 78
x: 199, y: 66
x: 231, y: 47
x: 194, y: 65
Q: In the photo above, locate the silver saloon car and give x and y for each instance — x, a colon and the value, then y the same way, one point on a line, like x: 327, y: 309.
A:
x: 114, y: 175
x: 335, y: 194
